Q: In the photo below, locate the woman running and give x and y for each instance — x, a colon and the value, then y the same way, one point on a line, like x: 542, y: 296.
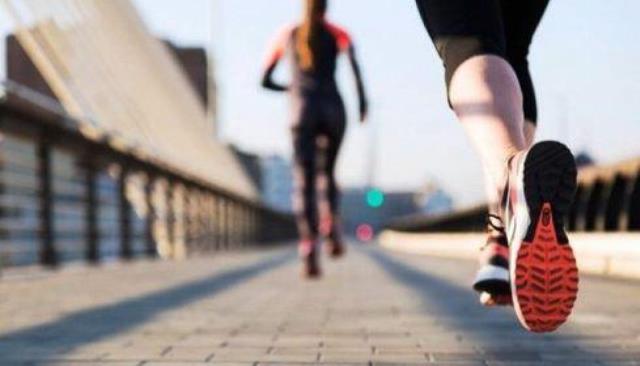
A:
x: 318, y: 124
x: 527, y: 260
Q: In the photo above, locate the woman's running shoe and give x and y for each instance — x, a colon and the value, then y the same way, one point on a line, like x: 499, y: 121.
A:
x: 330, y: 230
x: 335, y: 247
x: 308, y: 251
x: 492, y: 279
x: 543, y: 270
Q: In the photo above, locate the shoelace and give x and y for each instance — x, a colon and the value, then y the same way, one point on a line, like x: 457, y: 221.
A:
x: 499, y: 227
x: 494, y: 222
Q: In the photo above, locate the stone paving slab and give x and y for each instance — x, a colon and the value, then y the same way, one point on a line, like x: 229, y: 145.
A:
x: 371, y: 308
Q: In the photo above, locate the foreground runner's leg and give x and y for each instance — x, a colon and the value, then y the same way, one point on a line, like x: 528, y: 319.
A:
x: 544, y: 274
x: 520, y: 21
x: 484, y: 78
x: 483, y: 91
x: 487, y: 100
x: 495, y: 130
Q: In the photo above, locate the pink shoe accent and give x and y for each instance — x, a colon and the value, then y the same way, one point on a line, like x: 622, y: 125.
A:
x: 306, y: 247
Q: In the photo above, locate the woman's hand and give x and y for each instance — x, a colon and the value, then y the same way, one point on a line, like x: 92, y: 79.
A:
x: 364, y: 111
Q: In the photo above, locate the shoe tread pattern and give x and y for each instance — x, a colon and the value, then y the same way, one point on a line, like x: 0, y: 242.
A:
x: 546, y: 274
x: 550, y: 176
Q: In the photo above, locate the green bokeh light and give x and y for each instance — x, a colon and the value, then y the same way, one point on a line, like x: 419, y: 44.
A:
x: 375, y: 198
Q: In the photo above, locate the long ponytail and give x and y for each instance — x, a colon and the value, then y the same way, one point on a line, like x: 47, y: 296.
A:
x: 308, y: 33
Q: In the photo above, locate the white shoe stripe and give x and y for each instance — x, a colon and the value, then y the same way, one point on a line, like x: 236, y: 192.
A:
x: 491, y: 272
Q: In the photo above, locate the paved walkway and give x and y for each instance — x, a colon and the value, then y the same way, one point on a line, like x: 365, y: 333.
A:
x: 372, y: 308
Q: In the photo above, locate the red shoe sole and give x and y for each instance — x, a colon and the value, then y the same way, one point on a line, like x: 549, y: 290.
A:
x: 546, y: 277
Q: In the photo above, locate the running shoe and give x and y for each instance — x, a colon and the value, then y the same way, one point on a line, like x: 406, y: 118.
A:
x: 543, y: 270
x: 330, y: 230
x: 492, y: 279
x: 335, y: 247
x: 308, y: 251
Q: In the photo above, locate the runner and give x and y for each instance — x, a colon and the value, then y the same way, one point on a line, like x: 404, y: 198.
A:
x: 527, y: 260
x: 318, y: 123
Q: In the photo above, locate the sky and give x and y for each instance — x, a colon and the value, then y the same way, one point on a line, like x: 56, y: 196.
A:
x: 584, y: 64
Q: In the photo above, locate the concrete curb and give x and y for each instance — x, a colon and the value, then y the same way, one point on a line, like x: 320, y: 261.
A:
x: 614, y: 255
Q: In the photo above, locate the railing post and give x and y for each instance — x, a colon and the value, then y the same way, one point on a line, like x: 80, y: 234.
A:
x: 247, y: 226
x: 614, y: 205
x: 576, y: 209
x: 206, y: 221
x: 594, y: 205
x: 633, y: 207
x: 186, y: 218
x: 48, y: 255
x: 210, y: 222
x: 240, y: 224
x: 232, y: 239
x: 234, y: 224
x: 259, y: 225
x: 91, y: 210
x: 244, y: 219
x: 254, y: 226
x: 216, y: 222
x: 270, y: 220
x: 124, y: 214
x: 170, y: 219
x: 250, y: 226
x: 203, y: 220
x: 225, y: 223
x: 150, y: 220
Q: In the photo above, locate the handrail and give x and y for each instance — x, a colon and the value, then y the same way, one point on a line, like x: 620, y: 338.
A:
x: 159, y: 210
x: 607, y: 199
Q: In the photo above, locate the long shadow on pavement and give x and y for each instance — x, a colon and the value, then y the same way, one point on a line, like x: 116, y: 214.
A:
x: 498, y: 336
x: 92, y: 325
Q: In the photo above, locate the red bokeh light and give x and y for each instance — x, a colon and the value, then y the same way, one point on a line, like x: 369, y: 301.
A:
x: 364, y: 232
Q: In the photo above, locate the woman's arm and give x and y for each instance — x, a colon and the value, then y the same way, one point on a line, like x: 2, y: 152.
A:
x: 362, y: 97
x: 274, y: 56
x: 269, y: 83
x: 345, y: 44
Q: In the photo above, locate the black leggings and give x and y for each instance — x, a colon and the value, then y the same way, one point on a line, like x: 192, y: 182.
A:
x: 461, y: 29
x: 318, y: 127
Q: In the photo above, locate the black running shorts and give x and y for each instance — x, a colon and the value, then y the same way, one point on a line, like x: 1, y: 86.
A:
x: 461, y: 29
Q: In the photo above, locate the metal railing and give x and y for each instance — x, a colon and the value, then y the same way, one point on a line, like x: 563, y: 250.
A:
x: 126, y: 163
x: 607, y: 199
x: 64, y: 196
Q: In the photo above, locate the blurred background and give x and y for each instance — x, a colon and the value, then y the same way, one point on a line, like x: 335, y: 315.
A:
x: 411, y: 160
x: 134, y: 134
x: 585, y: 78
